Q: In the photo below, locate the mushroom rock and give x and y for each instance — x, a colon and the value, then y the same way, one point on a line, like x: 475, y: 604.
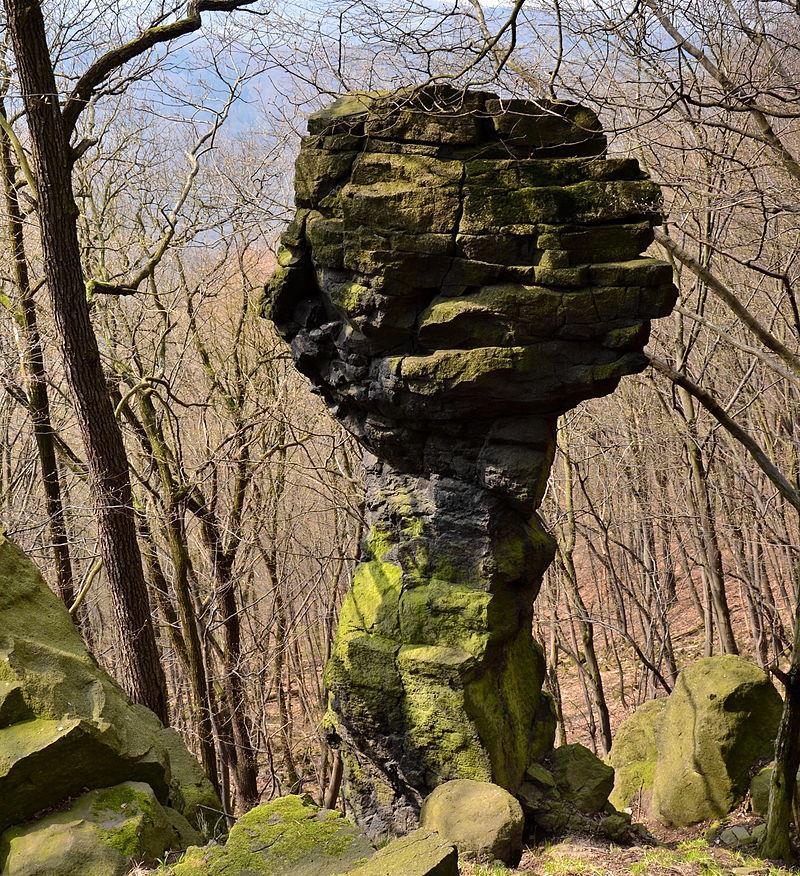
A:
x: 461, y: 270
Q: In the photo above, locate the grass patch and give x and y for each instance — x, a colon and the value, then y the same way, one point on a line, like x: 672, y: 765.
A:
x: 565, y: 865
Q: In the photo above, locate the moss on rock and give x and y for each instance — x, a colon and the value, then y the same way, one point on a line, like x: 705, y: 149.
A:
x: 581, y: 777
x: 634, y: 753
x: 287, y: 837
x: 420, y: 853
x: 67, y: 726
x: 102, y: 833
x: 191, y: 793
x: 460, y: 267
x: 719, y: 721
x: 482, y: 820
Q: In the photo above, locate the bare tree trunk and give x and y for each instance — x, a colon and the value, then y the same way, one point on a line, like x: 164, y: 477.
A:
x: 38, y: 400
x: 175, y: 533
x: 712, y: 567
x: 777, y: 841
x: 566, y: 550
x: 140, y: 669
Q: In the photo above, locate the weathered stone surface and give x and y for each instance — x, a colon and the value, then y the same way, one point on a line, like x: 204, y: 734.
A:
x: 287, y: 837
x: 65, y: 726
x: 759, y: 789
x: 73, y: 727
x: 545, y: 724
x: 633, y: 755
x: 574, y: 797
x: 483, y: 821
x: 419, y: 853
x: 472, y: 273
x: 581, y: 777
x: 719, y: 721
x: 102, y: 833
x: 191, y: 793
x: 738, y: 836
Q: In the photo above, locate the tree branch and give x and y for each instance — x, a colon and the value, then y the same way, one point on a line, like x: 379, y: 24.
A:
x: 100, y: 69
x: 729, y: 297
x: 734, y: 429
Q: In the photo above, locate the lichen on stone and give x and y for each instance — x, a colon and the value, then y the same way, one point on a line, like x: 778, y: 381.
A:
x: 66, y: 726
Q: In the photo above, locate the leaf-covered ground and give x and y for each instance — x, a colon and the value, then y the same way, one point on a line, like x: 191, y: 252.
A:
x: 577, y: 856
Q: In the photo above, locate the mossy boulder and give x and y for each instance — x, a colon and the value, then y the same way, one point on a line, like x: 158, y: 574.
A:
x: 581, y: 777
x: 719, y: 721
x: 65, y: 725
x: 420, y: 853
x: 102, y: 833
x: 759, y: 789
x: 191, y: 793
x: 634, y: 753
x: 482, y: 820
x: 73, y: 728
x: 289, y: 836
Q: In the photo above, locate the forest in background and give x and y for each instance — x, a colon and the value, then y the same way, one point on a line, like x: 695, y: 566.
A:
x: 674, y: 541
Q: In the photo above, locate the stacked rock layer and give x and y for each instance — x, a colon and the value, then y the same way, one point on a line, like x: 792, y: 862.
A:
x: 460, y: 271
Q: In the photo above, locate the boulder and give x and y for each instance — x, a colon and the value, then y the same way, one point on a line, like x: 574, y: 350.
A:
x: 191, y: 793
x: 542, y: 802
x: 420, y: 853
x: 70, y: 727
x: 480, y: 819
x: 289, y: 836
x: 102, y: 833
x: 65, y: 725
x: 719, y: 721
x: 569, y: 791
x: 581, y: 777
x: 634, y: 753
x: 759, y: 789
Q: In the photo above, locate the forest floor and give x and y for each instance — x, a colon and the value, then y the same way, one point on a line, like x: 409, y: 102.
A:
x: 581, y: 856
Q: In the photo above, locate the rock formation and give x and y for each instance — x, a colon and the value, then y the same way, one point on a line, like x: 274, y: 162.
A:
x: 460, y: 271
x: 719, y: 722
x: 65, y: 727
x: 690, y: 757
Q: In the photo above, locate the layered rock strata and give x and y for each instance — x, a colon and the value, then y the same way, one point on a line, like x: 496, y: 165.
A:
x: 460, y: 271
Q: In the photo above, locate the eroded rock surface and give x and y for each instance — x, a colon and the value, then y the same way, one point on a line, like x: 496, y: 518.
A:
x: 102, y: 833
x: 483, y: 821
x: 634, y: 754
x: 460, y: 271
x: 719, y: 722
x: 66, y: 726
x: 419, y: 853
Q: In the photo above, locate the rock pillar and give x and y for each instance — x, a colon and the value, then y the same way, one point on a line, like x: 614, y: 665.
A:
x: 460, y: 271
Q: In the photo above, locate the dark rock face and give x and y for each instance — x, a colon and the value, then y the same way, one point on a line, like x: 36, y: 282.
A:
x: 460, y: 271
